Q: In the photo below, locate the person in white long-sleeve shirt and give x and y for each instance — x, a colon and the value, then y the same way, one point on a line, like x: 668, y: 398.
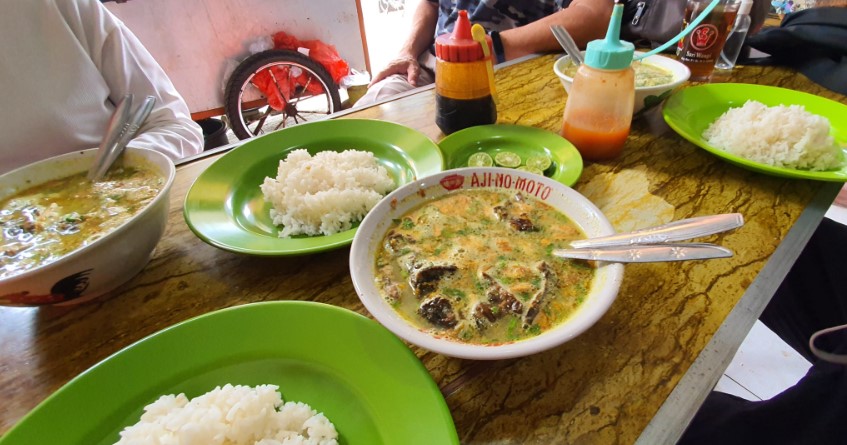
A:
x: 64, y: 65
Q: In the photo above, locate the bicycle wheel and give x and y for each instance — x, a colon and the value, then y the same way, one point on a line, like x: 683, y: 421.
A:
x: 275, y: 89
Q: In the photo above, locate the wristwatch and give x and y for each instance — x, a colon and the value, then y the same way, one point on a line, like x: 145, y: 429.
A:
x: 499, y: 56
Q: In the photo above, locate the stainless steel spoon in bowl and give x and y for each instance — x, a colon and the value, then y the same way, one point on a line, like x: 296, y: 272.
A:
x: 116, y: 124
x: 568, y: 44
x: 122, y: 128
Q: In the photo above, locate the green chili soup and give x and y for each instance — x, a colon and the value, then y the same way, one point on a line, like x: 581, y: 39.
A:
x: 43, y: 223
x: 475, y: 266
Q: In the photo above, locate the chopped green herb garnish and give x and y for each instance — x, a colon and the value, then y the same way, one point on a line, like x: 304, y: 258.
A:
x: 510, y: 330
x: 456, y: 293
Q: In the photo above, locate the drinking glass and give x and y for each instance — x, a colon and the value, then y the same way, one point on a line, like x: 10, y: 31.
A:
x: 702, y: 46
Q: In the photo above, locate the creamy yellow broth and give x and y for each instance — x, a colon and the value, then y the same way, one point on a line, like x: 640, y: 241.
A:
x: 646, y: 74
x: 43, y: 223
x: 475, y: 266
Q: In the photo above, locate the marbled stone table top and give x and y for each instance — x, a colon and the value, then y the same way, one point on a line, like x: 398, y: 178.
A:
x: 639, y: 374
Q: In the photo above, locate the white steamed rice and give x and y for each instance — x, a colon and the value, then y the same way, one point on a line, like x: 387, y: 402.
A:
x: 326, y: 193
x: 781, y: 136
x: 230, y: 415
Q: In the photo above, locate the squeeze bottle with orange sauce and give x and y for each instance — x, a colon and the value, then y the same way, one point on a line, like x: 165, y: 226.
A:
x: 598, y: 111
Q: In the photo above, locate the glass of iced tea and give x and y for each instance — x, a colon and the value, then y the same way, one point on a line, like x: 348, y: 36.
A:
x: 700, y: 48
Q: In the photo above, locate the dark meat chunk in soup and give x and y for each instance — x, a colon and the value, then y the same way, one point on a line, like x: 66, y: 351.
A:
x: 499, y: 296
x: 522, y: 223
x: 501, y: 301
x: 438, y: 311
x: 396, y: 242
x: 485, y: 311
x: 502, y: 212
x: 424, y: 278
x: 537, y: 300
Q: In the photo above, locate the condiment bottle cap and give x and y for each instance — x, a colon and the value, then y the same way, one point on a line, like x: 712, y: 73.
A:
x: 611, y: 53
x: 459, y: 46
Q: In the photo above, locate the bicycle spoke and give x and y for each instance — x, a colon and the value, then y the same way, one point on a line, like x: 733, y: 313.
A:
x: 261, y: 122
x: 281, y: 123
x: 276, y: 83
x: 315, y: 114
x: 305, y: 88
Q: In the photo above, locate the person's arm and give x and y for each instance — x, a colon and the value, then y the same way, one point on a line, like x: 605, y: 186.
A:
x: 585, y: 20
x: 421, y: 35
x: 127, y: 67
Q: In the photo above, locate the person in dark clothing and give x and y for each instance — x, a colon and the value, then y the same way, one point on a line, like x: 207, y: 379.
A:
x: 813, y: 297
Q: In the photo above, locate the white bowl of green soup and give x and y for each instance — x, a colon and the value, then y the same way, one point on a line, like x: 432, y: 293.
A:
x: 67, y: 240
x: 656, y: 77
x: 460, y: 263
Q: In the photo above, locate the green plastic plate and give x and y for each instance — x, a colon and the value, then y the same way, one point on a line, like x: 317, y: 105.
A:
x: 363, y: 378
x: 691, y: 110
x: 522, y: 140
x: 225, y: 206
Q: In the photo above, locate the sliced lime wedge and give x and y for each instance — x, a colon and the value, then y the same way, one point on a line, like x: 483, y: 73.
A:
x: 507, y: 159
x: 480, y: 159
x: 530, y: 169
x: 541, y: 162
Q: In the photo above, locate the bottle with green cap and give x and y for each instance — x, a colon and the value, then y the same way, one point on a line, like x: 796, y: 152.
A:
x: 598, y: 111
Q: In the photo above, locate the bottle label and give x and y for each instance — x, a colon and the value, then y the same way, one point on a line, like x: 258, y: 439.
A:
x: 700, y: 48
x: 704, y: 37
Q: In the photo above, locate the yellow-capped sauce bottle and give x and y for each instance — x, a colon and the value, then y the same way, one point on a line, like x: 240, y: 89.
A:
x: 462, y: 93
x: 598, y: 111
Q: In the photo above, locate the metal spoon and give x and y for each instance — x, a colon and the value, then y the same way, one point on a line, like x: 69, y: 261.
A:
x: 116, y: 125
x: 654, y: 244
x: 674, y: 231
x: 568, y: 44
x: 113, y: 146
x: 648, y: 253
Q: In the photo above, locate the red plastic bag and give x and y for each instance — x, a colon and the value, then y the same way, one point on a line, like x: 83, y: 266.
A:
x: 323, y: 53
x: 272, y: 90
x: 279, y: 86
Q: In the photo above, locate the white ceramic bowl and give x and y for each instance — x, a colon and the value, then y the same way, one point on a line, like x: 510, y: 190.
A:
x: 645, y: 97
x: 106, y: 263
x: 604, y: 287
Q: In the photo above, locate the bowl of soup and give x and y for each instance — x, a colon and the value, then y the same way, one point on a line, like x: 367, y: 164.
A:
x: 460, y: 263
x: 66, y: 240
x: 656, y: 77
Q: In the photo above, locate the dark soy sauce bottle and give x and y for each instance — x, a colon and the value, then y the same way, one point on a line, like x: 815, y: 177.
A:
x: 462, y: 93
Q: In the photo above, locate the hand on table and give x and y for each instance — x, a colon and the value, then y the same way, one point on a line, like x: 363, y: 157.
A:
x: 401, y: 65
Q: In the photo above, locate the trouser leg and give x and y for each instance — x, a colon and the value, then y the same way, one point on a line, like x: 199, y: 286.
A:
x: 813, y: 296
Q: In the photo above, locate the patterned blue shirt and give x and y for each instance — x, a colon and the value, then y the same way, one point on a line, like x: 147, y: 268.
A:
x: 495, y: 15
